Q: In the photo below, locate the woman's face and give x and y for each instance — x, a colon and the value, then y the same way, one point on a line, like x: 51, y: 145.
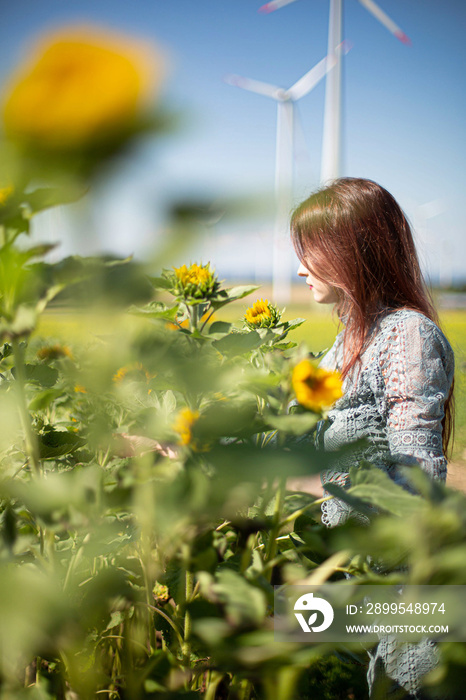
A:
x: 323, y: 293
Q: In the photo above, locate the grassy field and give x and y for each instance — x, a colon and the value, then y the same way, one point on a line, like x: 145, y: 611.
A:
x: 318, y: 333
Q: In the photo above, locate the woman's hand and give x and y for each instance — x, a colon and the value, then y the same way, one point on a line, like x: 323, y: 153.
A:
x: 306, y: 484
x: 137, y: 445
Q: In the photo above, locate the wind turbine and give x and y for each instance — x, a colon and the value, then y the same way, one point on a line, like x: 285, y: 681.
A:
x: 331, y: 142
x: 284, y: 160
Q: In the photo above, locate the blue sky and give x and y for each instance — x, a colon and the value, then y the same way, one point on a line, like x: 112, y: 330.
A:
x: 404, y: 110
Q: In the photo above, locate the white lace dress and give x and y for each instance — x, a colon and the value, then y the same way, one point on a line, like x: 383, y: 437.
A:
x: 395, y: 400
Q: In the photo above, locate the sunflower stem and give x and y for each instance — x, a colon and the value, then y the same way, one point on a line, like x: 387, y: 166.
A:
x: 272, y: 544
x: 208, y: 318
x: 189, y: 588
x: 32, y: 447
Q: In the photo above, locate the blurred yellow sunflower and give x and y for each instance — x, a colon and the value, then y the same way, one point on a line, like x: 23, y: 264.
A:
x: 80, y: 389
x: 315, y: 388
x: 78, y: 86
x: 183, y: 425
x: 5, y: 193
x: 54, y: 352
x: 135, y: 370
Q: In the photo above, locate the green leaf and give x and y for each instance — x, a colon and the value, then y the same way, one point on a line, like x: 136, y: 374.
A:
x: 32, y: 609
x: 240, y: 292
x: 44, y: 399
x: 116, y: 618
x: 6, y: 351
x: 245, y: 605
x: 50, y: 294
x: 87, y: 280
x: 56, y: 443
x: 169, y: 402
x: 296, y: 423
x: 268, y: 334
x: 225, y: 296
x: 9, y: 530
x: 156, y: 309
x: 219, y: 327
x: 291, y: 325
x: 41, y: 374
x: 22, y: 324
x: 238, y: 463
x: 348, y: 497
x: 46, y: 197
x: 161, y: 283
x: 238, y: 343
x: 284, y: 346
x: 431, y: 489
x: 58, y: 491
x: 305, y: 550
x: 228, y: 418
x: 38, y: 251
x: 375, y: 486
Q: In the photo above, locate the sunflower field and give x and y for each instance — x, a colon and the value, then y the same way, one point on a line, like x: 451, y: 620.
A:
x: 145, y: 519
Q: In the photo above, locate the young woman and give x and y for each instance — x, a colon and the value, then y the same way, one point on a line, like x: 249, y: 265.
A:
x: 357, y: 252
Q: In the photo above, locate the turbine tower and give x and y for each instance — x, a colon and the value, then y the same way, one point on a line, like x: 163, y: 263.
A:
x: 331, y: 141
x: 284, y: 161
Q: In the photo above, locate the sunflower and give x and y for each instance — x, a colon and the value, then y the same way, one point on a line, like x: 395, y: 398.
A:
x: 54, y: 352
x: 315, y: 388
x: 134, y: 371
x: 196, y: 281
x: 262, y: 314
x: 161, y: 593
x: 5, y: 193
x: 79, y: 86
x: 183, y: 425
x: 80, y: 389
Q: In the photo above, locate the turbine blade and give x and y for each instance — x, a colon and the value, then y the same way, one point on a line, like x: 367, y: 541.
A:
x: 344, y: 48
x: 386, y: 21
x: 311, y: 78
x: 315, y: 75
x: 256, y: 86
x: 274, y: 5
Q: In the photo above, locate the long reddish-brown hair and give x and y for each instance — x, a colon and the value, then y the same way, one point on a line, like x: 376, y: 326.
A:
x: 354, y: 236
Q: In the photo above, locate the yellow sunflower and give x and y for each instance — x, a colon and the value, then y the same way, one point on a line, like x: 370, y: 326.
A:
x: 54, y: 352
x: 196, y: 281
x: 183, y: 425
x: 316, y: 388
x: 78, y: 86
x: 80, y: 389
x: 5, y: 193
x: 135, y: 370
x: 262, y: 314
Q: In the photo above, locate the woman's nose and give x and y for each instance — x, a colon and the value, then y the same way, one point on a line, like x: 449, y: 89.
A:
x: 302, y: 271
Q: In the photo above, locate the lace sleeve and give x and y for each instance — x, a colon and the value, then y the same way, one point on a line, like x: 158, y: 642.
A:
x: 332, y: 359
x: 416, y: 373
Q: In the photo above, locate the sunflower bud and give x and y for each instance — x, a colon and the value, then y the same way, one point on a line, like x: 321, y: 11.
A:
x: 262, y: 314
x: 196, y: 282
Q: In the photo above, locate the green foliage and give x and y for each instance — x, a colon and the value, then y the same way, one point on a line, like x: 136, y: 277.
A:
x: 148, y: 519
x: 144, y: 515
x: 333, y: 678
